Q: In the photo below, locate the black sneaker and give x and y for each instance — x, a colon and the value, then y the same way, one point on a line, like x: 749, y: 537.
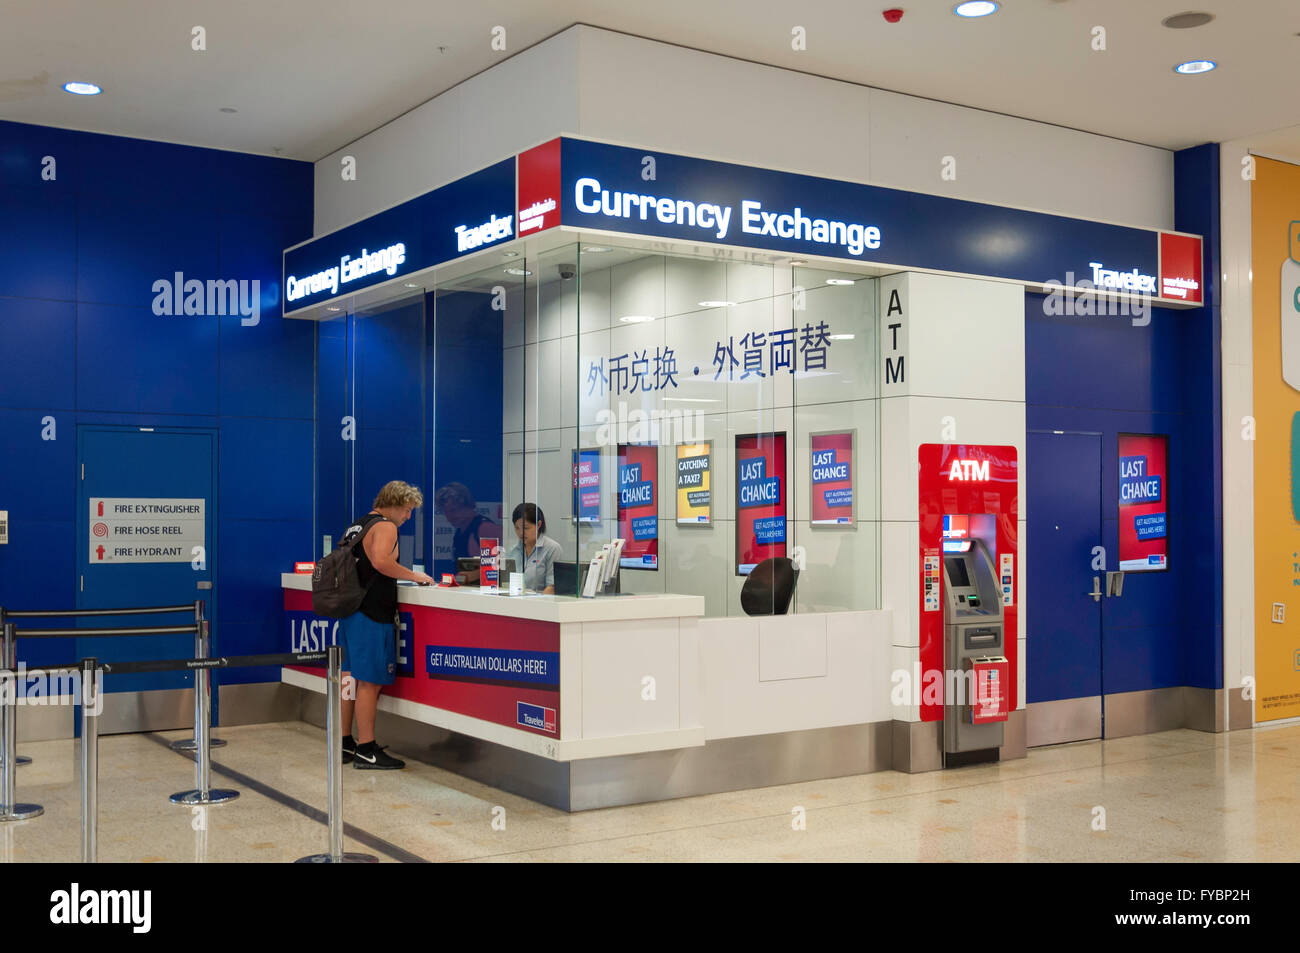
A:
x: 371, y: 757
x: 349, y: 748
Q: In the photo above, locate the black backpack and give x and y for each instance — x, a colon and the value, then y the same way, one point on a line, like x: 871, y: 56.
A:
x: 336, y: 590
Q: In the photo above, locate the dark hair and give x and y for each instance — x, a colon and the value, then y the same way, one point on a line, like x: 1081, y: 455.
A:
x: 531, y: 513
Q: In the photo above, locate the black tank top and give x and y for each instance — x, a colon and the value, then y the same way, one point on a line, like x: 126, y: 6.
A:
x: 460, y: 542
x: 380, y: 603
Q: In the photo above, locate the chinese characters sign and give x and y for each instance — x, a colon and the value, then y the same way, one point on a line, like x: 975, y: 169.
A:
x: 754, y: 355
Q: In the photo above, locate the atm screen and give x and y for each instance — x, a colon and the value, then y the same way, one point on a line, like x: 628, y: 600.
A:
x: 957, y: 572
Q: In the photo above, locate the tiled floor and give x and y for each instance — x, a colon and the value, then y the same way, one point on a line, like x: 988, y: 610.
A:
x: 1179, y: 795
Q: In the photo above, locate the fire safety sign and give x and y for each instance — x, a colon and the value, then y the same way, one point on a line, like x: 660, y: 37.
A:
x: 146, y: 530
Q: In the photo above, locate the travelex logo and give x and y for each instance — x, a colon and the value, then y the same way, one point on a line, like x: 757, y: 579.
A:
x: 535, y: 716
x: 386, y: 260
x: 1134, y: 280
x: 493, y: 230
x: 592, y: 199
x: 73, y: 906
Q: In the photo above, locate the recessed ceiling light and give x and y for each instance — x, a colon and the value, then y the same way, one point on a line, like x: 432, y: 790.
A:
x: 596, y: 249
x: 839, y: 337
x: 82, y: 89
x: 229, y: 109
x: 839, y: 281
x: 636, y: 318
x: 797, y: 261
x: 1195, y: 66
x: 1185, y: 21
x: 517, y: 271
x: 510, y: 254
x: 332, y: 308
x: 411, y: 285
x: 976, y: 8
x: 717, y: 304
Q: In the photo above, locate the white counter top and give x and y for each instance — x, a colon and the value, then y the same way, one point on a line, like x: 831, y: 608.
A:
x: 539, y: 608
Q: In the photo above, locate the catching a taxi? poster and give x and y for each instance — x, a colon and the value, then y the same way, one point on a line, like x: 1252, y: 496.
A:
x: 694, y: 483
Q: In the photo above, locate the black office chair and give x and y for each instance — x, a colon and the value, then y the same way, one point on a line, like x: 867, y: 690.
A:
x: 770, y: 587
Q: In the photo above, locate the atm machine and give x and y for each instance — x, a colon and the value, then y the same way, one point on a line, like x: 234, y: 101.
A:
x: 975, y: 686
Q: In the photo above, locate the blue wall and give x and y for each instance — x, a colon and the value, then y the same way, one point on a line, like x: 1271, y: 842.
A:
x: 1102, y: 374
x: 79, y: 342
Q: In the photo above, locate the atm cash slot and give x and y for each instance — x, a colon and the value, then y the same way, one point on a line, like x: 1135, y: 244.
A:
x: 983, y: 638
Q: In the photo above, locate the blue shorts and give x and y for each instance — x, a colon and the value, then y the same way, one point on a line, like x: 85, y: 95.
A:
x: 369, y: 648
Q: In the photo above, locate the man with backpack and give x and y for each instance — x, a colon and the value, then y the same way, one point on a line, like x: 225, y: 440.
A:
x: 368, y: 634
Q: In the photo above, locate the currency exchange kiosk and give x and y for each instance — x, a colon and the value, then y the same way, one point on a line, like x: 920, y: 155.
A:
x: 973, y: 646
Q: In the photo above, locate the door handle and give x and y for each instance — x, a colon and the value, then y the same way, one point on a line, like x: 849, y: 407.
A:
x: 1096, y: 589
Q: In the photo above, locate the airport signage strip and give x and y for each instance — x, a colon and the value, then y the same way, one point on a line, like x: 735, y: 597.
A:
x: 609, y: 188
x: 581, y: 184
x: 457, y: 219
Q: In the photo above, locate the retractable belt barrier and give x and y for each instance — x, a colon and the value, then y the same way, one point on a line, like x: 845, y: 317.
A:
x: 91, y: 670
x: 198, y: 628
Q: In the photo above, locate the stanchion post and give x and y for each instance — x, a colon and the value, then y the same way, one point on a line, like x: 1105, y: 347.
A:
x: 90, y: 708
x: 334, y: 766
x: 4, y: 663
x: 200, y: 651
x: 10, y: 809
x: 203, y: 793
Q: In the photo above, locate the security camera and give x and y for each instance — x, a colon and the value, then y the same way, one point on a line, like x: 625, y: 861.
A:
x: 567, y: 271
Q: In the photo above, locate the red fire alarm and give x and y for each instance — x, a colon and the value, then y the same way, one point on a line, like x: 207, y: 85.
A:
x: 892, y: 15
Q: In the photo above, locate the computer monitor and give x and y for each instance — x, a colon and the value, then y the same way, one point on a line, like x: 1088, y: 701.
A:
x: 570, y: 578
x: 471, y: 565
x: 566, y: 578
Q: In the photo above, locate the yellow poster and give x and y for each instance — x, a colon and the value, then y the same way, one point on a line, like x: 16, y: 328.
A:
x: 1275, y: 291
x: 694, y: 493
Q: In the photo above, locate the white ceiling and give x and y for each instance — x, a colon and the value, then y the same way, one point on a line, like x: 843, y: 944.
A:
x: 309, y: 76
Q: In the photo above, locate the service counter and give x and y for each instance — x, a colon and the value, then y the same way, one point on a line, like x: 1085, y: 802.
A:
x: 583, y: 703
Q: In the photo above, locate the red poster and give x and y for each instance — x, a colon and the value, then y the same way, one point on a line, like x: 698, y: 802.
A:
x: 488, y: 551
x: 1143, y: 502
x: 831, y: 479
x: 990, y: 691
x: 638, y: 505
x: 760, y: 499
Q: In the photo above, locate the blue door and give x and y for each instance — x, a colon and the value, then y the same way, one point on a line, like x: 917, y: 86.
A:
x: 145, y: 538
x: 1063, y: 684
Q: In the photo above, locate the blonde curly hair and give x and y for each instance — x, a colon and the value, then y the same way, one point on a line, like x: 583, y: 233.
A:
x: 398, y: 494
